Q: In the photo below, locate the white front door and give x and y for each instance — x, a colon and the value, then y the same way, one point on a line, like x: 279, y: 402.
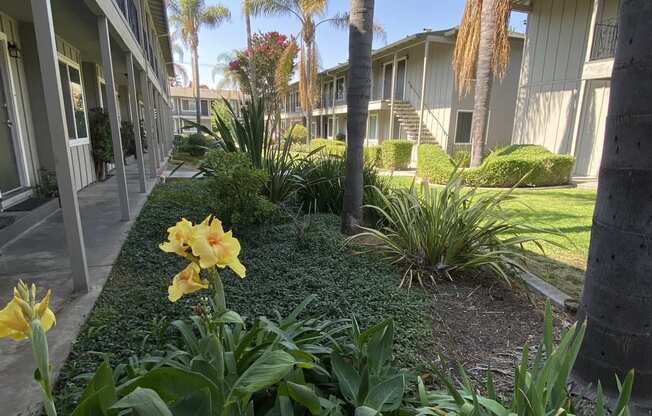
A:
x: 588, y: 152
x: 10, y: 160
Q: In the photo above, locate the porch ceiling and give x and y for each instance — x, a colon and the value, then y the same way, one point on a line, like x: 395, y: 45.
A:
x: 158, y: 8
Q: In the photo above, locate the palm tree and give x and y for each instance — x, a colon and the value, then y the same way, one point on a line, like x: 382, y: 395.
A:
x: 357, y: 99
x: 307, y: 12
x: 189, y: 16
x: 481, y: 51
x: 177, y: 50
x: 246, y: 11
x: 617, y: 300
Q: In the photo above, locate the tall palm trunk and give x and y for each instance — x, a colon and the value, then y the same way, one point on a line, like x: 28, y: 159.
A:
x: 195, y: 79
x: 617, y: 300
x: 309, y: 87
x: 252, y: 64
x: 483, y: 81
x: 357, y: 99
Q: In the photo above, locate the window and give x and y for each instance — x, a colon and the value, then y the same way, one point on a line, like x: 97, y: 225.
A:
x: 204, y: 107
x: 188, y: 105
x: 373, y: 127
x: 73, y: 98
x: 463, y: 127
x: 339, y: 89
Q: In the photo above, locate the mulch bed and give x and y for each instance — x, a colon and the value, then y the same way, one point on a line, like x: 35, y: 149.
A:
x: 481, y: 323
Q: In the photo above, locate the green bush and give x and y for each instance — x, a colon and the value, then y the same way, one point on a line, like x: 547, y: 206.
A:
x: 396, y: 154
x: 503, y: 167
x: 461, y: 158
x: 330, y: 147
x: 233, y: 188
x: 297, y: 133
x: 433, y: 163
x: 373, y: 156
x: 101, y: 142
x: 195, y: 144
x: 507, y: 166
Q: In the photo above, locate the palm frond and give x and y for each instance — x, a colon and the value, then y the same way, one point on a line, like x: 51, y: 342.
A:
x: 341, y: 21
x: 215, y: 15
x: 285, y: 67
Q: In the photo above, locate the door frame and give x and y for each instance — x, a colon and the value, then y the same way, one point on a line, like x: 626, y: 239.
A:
x: 12, y: 110
x: 403, y: 58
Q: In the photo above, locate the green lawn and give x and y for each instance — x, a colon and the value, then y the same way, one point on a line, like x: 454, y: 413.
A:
x: 569, y: 211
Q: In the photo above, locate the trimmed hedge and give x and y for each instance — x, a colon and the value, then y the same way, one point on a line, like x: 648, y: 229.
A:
x: 373, y: 156
x: 433, y: 163
x: 330, y: 147
x: 396, y: 154
x: 503, y: 167
x: 299, y: 133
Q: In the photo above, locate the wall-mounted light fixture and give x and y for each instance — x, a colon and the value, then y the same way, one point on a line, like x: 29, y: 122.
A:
x: 13, y: 50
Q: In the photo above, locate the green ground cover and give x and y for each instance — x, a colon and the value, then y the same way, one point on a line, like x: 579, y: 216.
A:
x: 567, y: 210
x: 131, y: 315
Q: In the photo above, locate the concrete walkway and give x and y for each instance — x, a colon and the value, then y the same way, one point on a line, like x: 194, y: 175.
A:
x: 40, y: 256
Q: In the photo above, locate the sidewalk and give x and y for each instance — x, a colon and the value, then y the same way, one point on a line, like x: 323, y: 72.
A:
x: 40, y: 256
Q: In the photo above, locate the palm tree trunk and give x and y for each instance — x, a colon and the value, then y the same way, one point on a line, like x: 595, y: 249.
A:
x: 309, y: 81
x: 195, y: 80
x: 357, y: 99
x: 483, y: 81
x: 617, y: 300
x: 253, y: 81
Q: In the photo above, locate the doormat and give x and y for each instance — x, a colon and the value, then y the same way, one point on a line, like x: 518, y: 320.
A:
x: 6, y: 222
x: 28, y: 205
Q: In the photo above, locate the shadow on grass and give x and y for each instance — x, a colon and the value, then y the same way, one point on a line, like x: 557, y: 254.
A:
x: 567, y: 278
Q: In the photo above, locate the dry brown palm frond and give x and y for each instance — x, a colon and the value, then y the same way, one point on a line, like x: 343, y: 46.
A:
x: 467, y: 44
x: 303, y: 75
x: 314, y: 69
x: 284, y: 68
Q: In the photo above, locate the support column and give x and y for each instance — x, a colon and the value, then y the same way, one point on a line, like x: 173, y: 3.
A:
x: 155, y: 134
x: 107, y: 64
x: 133, y: 113
x: 423, y: 90
x: 391, y: 104
x: 55, y: 112
x: 147, y: 102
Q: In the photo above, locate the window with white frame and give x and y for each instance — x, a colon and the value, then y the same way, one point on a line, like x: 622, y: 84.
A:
x: 463, y: 127
x: 373, y: 126
x: 188, y: 105
x: 74, y: 102
x: 204, y: 107
x: 339, y: 89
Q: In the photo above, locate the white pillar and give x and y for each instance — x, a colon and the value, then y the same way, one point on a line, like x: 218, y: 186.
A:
x: 424, y: 75
x: 133, y: 112
x: 55, y: 112
x: 148, y: 113
x: 107, y: 64
x: 391, y: 104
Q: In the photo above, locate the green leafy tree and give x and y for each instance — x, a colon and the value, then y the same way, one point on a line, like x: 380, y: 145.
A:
x: 189, y: 16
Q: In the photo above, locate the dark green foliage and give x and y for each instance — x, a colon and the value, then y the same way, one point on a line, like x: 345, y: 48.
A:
x: 128, y: 138
x: 504, y: 167
x: 373, y: 156
x: 461, y: 158
x: 125, y: 319
x: 396, y: 154
x: 433, y: 163
x: 297, y: 133
x: 101, y: 142
x: 340, y: 137
x: 196, y: 144
x: 233, y: 188
x: 507, y: 166
x: 47, y: 186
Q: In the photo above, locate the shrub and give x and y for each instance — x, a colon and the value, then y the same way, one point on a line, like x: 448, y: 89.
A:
x: 396, y: 154
x: 195, y: 144
x: 128, y: 138
x: 373, y: 156
x: 330, y: 147
x: 433, y: 163
x: 461, y: 158
x: 233, y: 188
x: 101, y: 144
x: 439, y: 232
x: 507, y: 166
x: 501, y: 168
x: 297, y: 133
x: 340, y: 137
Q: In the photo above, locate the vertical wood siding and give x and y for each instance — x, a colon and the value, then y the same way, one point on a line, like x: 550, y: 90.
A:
x: 81, y: 158
x: 550, y: 74
x: 592, y: 128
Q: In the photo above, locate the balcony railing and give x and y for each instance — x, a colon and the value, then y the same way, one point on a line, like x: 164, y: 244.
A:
x: 604, y: 40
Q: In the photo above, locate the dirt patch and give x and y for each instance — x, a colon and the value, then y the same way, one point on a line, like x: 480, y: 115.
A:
x: 482, y: 323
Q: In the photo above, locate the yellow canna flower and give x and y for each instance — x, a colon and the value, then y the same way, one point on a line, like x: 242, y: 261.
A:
x: 179, y: 237
x: 214, y: 247
x: 13, y: 322
x: 186, y: 281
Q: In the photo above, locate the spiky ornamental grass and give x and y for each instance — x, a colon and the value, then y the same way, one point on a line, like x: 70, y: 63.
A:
x: 440, y: 232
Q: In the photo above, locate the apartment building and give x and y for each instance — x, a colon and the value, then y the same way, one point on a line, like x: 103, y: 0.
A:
x: 58, y: 59
x: 563, y: 92
x: 184, y: 105
x: 413, y: 96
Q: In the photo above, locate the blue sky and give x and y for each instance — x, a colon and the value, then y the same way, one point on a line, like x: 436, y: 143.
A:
x: 400, y: 18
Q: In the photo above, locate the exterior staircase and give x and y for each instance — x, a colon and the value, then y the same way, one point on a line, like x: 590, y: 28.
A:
x: 409, y: 119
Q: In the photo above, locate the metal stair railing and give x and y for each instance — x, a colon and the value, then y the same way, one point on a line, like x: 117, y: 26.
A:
x: 441, y: 126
